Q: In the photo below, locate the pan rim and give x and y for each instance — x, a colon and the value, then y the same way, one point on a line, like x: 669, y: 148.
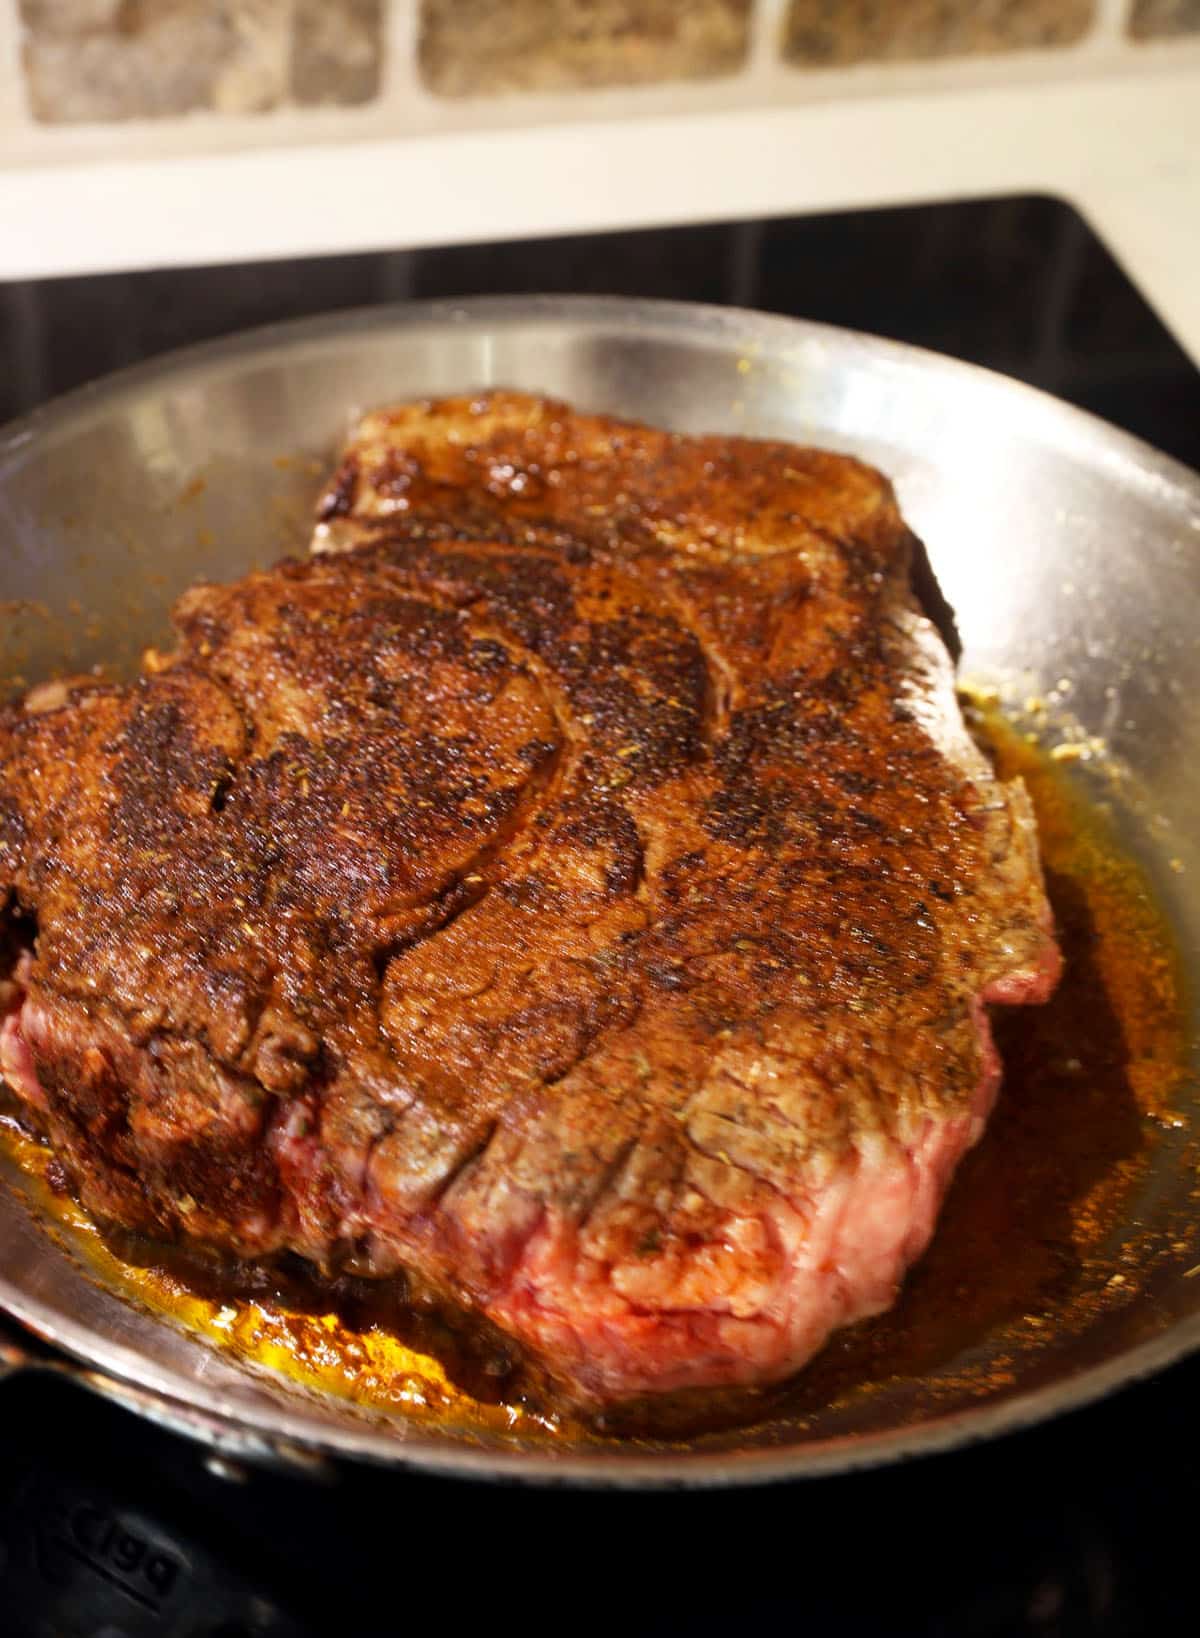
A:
x: 15, y: 434
x: 208, y: 1417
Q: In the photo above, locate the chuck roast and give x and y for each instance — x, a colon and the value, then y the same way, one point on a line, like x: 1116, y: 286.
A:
x: 573, y: 885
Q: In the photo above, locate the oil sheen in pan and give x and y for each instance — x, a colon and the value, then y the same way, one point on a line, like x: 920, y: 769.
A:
x: 1024, y: 1250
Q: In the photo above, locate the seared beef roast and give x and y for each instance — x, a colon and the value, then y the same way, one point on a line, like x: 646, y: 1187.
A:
x: 573, y: 884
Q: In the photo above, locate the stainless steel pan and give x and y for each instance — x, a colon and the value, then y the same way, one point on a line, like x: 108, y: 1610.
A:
x: 1068, y: 550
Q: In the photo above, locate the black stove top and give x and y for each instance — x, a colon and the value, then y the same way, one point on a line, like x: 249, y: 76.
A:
x: 112, y: 1529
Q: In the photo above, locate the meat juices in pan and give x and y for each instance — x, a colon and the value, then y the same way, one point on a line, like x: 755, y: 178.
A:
x: 574, y: 885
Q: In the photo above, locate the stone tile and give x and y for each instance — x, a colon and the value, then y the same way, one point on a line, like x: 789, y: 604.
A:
x: 147, y: 59
x: 1159, y: 19
x: 152, y: 58
x: 835, y: 33
x: 488, y: 47
x: 337, y: 51
x: 70, y: 16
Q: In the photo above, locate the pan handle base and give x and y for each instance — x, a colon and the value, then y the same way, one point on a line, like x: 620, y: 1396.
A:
x: 234, y: 1451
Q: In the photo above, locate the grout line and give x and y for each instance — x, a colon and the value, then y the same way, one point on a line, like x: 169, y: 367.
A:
x: 399, y: 79
x: 1110, y: 23
x: 13, y: 108
x: 766, y: 38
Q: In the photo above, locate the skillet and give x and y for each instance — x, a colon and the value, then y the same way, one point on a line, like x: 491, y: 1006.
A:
x: 1070, y: 554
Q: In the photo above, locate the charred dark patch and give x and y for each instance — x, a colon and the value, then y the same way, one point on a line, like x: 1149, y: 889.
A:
x: 487, y: 655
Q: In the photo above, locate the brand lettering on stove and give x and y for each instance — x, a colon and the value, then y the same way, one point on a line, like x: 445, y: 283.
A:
x: 142, y: 1568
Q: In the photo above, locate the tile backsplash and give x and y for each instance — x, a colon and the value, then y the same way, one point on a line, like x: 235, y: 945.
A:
x: 486, y: 47
x: 1155, y: 19
x: 100, y: 62
x: 825, y: 33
